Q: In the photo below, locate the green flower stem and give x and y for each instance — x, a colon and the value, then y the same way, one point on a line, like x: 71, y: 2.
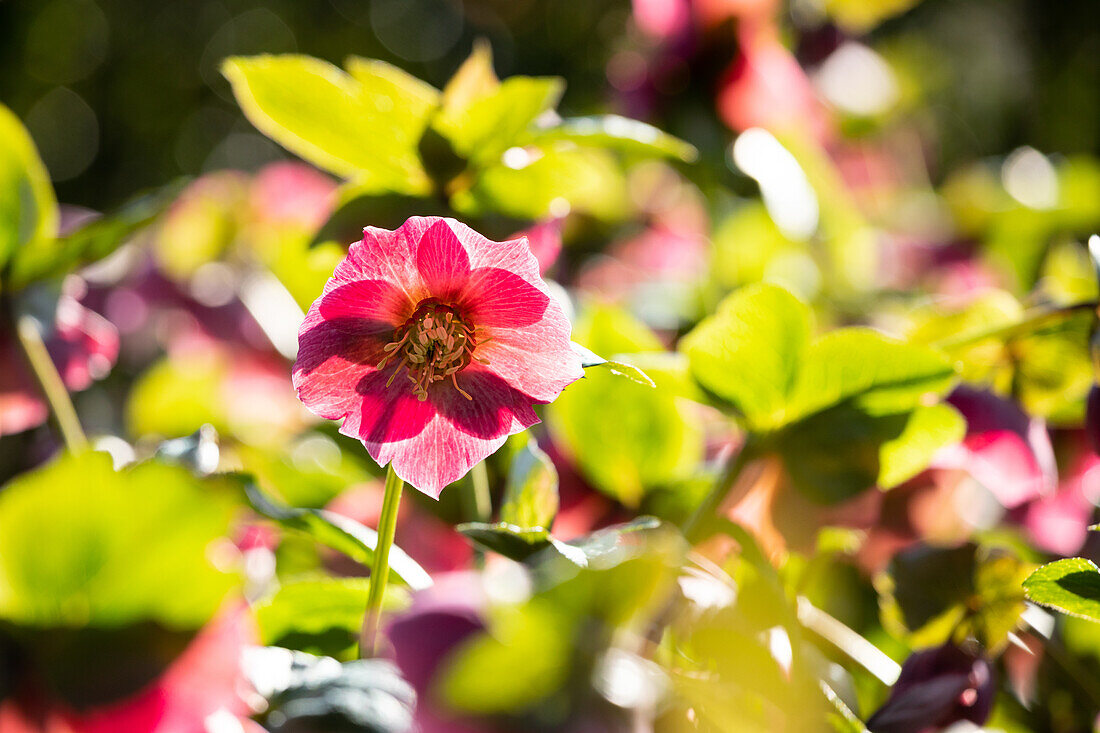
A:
x: 380, y: 569
x: 51, y: 384
x: 481, y: 502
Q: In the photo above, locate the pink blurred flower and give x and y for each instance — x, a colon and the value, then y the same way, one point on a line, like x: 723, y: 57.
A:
x: 432, y: 343
x: 83, y: 346
x: 545, y: 240
x: 292, y: 193
x: 1005, y: 450
x: 1059, y: 523
x: 766, y: 87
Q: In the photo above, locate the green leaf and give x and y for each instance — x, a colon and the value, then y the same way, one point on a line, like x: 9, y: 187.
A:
x: 308, y: 693
x: 624, y: 436
x: 82, y: 544
x: 338, y: 532
x: 91, y: 242
x: 550, y: 182
x: 1071, y: 586
x: 880, y: 374
x: 936, y: 594
x: 28, y: 206
x: 838, y: 453
x: 494, y: 122
x: 320, y: 615
x: 396, y: 91
x: 927, y: 429
x: 531, y: 494
x: 327, y: 117
x: 614, y: 133
x: 514, y: 542
x: 522, y: 659
x: 474, y: 79
x: 749, y: 353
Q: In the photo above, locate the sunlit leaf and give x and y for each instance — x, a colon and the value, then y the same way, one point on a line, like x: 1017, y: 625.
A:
x: 494, y: 122
x: 750, y: 352
x: 320, y: 615
x: 549, y: 183
x: 324, y: 115
x: 82, y: 544
x: 531, y: 493
x: 93, y: 241
x: 28, y: 206
x: 614, y: 133
x: 338, y: 532
x: 1071, y: 586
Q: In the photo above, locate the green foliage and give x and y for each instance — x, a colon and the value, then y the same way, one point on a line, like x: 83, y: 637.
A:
x: 749, y: 353
x: 28, y: 207
x: 306, y: 692
x: 321, y: 615
x: 641, y: 437
x: 531, y: 493
x: 91, y: 242
x: 388, y: 132
x: 845, y: 410
x: 338, y: 532
x: 82, y: 544
x: 1071, y: 586
x: 525, y: 656
x: 937, y: 594
x: 327, y: 117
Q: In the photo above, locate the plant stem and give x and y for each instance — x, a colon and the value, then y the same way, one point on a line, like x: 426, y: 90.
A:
x: 481, y: 503
x: 696, y: 525
x: 51, y: 384
x: 1030, y: 320
x: 380, y: 569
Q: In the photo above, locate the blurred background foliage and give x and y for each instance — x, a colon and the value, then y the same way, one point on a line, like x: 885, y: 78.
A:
x: 800, y: 522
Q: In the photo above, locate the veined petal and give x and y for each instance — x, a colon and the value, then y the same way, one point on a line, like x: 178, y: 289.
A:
x: 365, y: 307
x: 332, y: 360
x: 496, y: 298
x: 442, y: 261
x: 461, y: 434
x: 536, y: 360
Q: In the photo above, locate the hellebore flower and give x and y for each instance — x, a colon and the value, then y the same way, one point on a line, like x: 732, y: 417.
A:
x: 432, y: 343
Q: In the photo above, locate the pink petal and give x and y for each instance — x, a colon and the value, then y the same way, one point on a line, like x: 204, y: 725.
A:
x: 386, y: 414
x: 442, y: 261
x: 331, y: 362
x: 536, y: 360
x: 496, y: 298
x: 461, y: 434
x: 387, y: 256
x: 365, y: 307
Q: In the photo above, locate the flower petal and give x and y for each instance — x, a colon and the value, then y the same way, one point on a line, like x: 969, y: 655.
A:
x: 461, y: 434
x: 332, y: 360
x: 442, y: 261
x: 537, y: 360
x: 498, y: 298
x: 366, y: 307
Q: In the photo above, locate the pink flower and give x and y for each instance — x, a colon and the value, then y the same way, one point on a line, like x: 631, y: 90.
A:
x: 83, y: 346
x: 432, y: 343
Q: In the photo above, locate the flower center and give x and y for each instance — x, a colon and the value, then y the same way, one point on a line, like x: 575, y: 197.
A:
x: 434, y: 345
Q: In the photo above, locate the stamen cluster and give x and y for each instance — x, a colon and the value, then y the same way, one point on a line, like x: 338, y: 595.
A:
x: 434, y: 345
